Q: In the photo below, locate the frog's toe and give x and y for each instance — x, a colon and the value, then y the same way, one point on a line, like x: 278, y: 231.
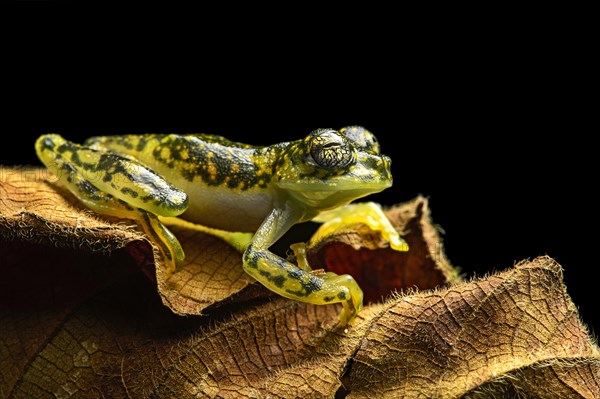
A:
x: 299, y: 250
x: 398, y: 244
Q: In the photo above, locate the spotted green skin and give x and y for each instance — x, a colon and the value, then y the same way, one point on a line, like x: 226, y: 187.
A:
x: 219, y: 183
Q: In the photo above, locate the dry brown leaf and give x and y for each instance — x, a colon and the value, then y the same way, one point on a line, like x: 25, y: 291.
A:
x: 85, y: 323
x: 502, y: 332
x: 34, y: 208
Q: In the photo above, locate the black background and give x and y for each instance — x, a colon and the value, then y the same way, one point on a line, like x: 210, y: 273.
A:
x: 489, y: 114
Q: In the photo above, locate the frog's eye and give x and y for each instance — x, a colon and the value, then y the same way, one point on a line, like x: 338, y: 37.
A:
x: 331, y: 150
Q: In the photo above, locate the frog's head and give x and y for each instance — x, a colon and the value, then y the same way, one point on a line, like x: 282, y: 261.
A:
x: 330, y: 168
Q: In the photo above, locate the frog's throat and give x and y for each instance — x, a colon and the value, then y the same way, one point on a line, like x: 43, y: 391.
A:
x: 326, y: 197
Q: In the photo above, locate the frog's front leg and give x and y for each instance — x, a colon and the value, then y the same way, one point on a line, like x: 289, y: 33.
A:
x: 111, y: 184
x: 291, y: 281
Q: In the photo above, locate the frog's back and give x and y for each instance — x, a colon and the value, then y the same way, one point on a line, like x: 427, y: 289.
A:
x: 228, y: 183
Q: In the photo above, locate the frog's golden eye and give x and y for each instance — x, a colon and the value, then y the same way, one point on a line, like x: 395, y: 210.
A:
x: 331, y: 150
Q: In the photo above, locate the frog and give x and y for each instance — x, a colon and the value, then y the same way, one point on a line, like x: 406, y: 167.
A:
x: 259, y: 192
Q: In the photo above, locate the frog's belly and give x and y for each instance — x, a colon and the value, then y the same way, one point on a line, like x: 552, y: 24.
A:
x: 227, y: 210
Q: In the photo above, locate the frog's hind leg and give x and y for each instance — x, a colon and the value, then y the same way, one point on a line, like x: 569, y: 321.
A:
x: 83, y: 170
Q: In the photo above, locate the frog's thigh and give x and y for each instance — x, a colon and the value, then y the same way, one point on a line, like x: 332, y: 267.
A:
x: 292, y: 282
x: 121, y: 176
x: 368, y: 213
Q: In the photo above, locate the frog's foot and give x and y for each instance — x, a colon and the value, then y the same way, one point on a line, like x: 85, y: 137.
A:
x: 165, y: 240
x: 301, y: 284
x: 368, y: 213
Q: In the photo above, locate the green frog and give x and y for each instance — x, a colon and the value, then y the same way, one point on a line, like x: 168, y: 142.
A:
x: 236, y: 187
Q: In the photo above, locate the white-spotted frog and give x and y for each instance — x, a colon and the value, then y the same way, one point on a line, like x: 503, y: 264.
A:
x: 236, y: 187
